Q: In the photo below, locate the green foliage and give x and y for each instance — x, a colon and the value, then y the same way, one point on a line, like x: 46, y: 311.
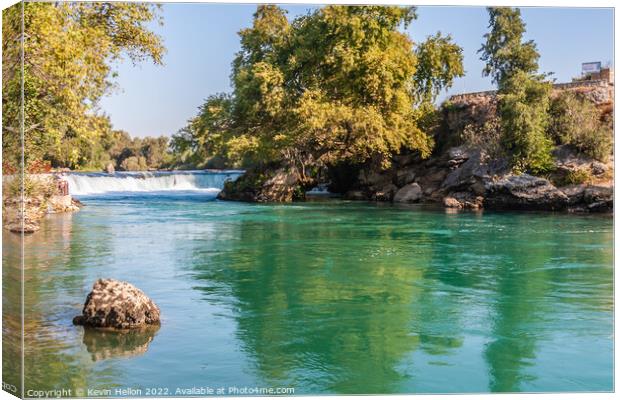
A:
x: 137, y: 154
x: 69, y: 50
x: 577, y: 122
x: 503, y: 51
x: 439, y: 62
x: 578, y: 176
x: 523, y: 94
x: 336, y: 85
x: 486, y: 137
x: 523, y: 110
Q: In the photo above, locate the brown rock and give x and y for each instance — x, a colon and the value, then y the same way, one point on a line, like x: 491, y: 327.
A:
x: 118, y: 305
x: 451, y: 202
x: 355, y: 195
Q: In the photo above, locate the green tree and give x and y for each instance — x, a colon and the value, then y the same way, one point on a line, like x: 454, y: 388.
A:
x: 523, y: 93
x: 69, y: 51
x: 504, y: 51
x: 439, y: 62
x: 338, y: 84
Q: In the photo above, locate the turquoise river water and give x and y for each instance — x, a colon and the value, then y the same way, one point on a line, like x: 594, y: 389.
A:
x: 321, y: 297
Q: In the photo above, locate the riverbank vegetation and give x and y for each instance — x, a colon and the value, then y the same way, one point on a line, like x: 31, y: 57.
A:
x: 314, y: 97
x: 69, y: 52
x: 367, y: 93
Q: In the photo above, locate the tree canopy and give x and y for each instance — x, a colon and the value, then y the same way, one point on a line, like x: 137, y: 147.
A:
x: 342, y: 83
x: 69, y: 49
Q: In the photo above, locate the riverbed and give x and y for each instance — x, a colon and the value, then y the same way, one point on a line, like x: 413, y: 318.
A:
x: 325, y: 297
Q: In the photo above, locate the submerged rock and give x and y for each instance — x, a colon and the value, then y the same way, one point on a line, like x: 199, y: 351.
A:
x: 465, y: 200
x: 119, y: 305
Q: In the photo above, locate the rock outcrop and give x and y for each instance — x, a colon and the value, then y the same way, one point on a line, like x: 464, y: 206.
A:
x: 117, y: 305
x: 50, y: 195
x: 524, y: 192
x: 467, y: 178
x: 410, y: 193
x: 280, y: 185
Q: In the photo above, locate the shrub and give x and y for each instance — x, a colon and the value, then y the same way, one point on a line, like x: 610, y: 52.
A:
x: 577, y: 122
x: 573, y: 177
x: 486, y: 137
x: 523, y: 111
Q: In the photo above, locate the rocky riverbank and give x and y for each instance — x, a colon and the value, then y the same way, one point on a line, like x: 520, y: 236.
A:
x: 461, y: 177
x: 468, y: 169
x: 43, y: 194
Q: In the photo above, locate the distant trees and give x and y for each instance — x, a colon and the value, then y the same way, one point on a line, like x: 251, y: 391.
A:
x: 342, y: 83
x: 523, y: 92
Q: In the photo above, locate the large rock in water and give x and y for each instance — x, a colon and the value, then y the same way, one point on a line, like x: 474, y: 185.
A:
x: 119, y: 305
x: 408, y: 194
x: 524, y: 192
x: 281, y: 185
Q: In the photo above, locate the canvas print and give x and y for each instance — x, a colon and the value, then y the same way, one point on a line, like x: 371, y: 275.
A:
x: 283, y: 200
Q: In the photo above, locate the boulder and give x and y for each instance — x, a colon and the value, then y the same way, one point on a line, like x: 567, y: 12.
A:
x: 524, y: 192
x: 386, y: 193
x: 60, y: 204
x: 473, y: 170
x: 464, y: 200
x: 408, y: 194
x: 598, y: 198
x: 278, y: 185
x: 117, y: 305
x: 457, y: 156
x: 355, y: 195
x: 109, y: 168
x: 405, y: 175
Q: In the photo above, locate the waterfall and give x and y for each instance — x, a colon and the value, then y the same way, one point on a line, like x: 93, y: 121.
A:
x: 100, y: 183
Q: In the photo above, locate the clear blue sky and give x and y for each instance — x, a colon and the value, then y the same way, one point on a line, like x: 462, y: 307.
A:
x: 201, y: 40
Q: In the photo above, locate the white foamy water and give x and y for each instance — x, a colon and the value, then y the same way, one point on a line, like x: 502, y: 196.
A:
x: 100, y: 183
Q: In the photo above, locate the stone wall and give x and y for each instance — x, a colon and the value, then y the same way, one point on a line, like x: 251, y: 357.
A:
x: 600, y: 92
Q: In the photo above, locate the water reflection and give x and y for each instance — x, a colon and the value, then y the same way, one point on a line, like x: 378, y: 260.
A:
x: 103, y: 344
x: 326, y: 298
x: 11, y: 312
x: 313, y: 311
x: 54, y: 260
x: 348, y: 307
